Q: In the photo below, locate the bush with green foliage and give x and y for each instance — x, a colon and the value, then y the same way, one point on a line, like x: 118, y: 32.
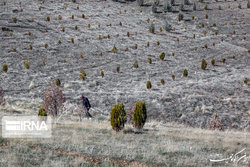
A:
x: 162, y: 56
x: 140, y: 115
x: 213, y: 62
x: 162, y: 81
x: 245, y: 80
x: 118, y: 117
x: 5, y: 68
x: 148, y: 85
x: 203, y: 64
x: 135, y: 64
x: 180, y: 17
x: 205, y: 6
x: 102, y: 73
x: 149, y: 60
x: 26, y: 64
x: 185, y: 73
x: 114, y: 49
x: 140, y: 2
x: 152, y: 28
x: 58, y: 82
x: 42, y: 112
x: 118, y: 69
x: 82, y: 75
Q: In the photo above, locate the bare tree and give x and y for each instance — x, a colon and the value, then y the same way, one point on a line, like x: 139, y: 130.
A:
x: 53, y: 100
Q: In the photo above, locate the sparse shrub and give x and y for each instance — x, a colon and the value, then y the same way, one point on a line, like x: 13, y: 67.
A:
x: 59, y: 17
x: 14, y: 49
x: 48, y: 18
x: 139, y: 115
x: 216, y: 33
x: 154, y: 8
x: 5, y: 68
x: 63, y: 29
x: 157, y: 2
x: 76, y: 27
x: 1, y: 96
x: 148, y: 85
x: 83, y: 16
x: 14, y: 20
x: 118, y: 117
x: 192, y: 17
x: 72, y: 16
x: 140, y: 2
x: 185, y: 73
x: 45, y: 45
x: 205, y: 46
x: 30, y: 45
x: 202, y: 25
x: 88, y: 25
x: 167, y: 27
x: 158, y: 43
x: 180, y: 17
x: 114, y: 49
x: 126, y: 49
x: 149, y: 60
x: 203, y: 64
x: 53, y: 100
x: 234, y: 31
x: 148, y: 20
x: 118, y: 69
x: 186, y: 2
x: 223, y: 60
x: 172, y: 2
x: 108, y: 36
x: 152, y: 28
x: 181, y: 7
x: 59, y: 41
x: 44, y: 63
x: 160, y: 29
x: 29, y: 33
x: 135, y: 64
x: 162, y: 56
x: 136, y: 46
x: 99, y: 37
x: 39, y: 8
x: 58, y: 82
x: 194, y: 6
x: 148, y: 44
x: 194, y: 36
x: 82, y: 75
x: 128, y: 34
x: 206, y: 16
x: 42, y: 112
x: 214, y: 25
x: 215, y: 123
x: 72, y: 40
x: 220, y: 7
x: 26, y: 64
x: 10, y: 33
x: 172, y: 53
x: 245, y: 80
x: 205, y: 6
x: 213, y: 62
x: 239, y: 6
x: 248, y: 4
x: 102, y: 73
x: 167, y: 8
x: 162, y: 81
x: 173, y: 76
x: 120, y: 23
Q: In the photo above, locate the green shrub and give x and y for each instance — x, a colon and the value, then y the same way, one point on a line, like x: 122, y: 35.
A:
x: 185, y: 73
x: 148, y: 85
x: 118, y: 117
x: 162, y: 56
x: 205, y: 6
x: 162, y: 81
x: 58, y: 82
x: 5, y: 67
x: 135, y: 64
x: 203, y: 64
x: 213, y: 62
x: 149, y: 60
x: 180, y: 17
x: 114, y: 49
x: 14, y: 20
x: 118, y: 69
x: 152, y: 28
x: 245, y: 80
x: 82, y: 74
x: 26, y: 64
x: 140, y: 115
x: 223, y: 60
x: 42, y: 112
x: 102, y: 73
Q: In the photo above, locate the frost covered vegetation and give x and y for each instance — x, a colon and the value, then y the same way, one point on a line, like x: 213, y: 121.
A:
x: 188, y: 60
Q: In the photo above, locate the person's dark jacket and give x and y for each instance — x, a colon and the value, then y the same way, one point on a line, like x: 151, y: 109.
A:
x: 86, y: 102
